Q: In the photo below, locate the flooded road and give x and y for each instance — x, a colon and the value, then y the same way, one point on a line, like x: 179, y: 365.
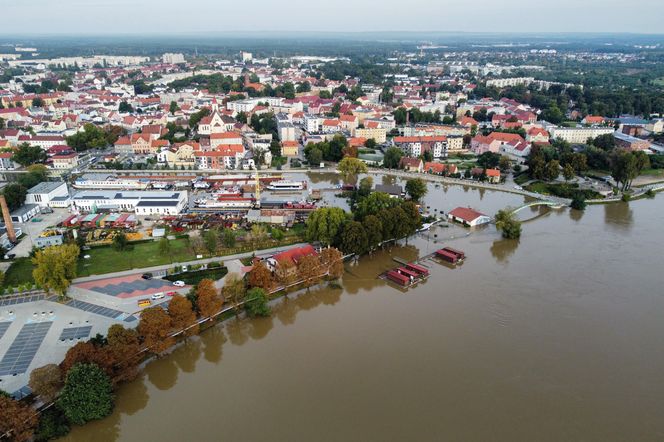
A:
x: 554, y: 337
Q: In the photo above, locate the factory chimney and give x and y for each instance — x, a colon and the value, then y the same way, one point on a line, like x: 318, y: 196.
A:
x: 11, y: 234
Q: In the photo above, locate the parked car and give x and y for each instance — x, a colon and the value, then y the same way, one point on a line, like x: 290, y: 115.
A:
x: 179, y: 283
x: 171, y: 293
x: 157, y: 296
x: 146, y: 275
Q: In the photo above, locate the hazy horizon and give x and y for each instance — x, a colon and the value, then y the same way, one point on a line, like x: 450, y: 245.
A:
x: 169, y: 17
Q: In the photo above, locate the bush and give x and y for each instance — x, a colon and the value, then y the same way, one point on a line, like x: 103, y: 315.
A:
x: 650, y: 193
x: 52, y: 425
x: 87, y: 394
x: 578, y: 203
x: 626, y: 197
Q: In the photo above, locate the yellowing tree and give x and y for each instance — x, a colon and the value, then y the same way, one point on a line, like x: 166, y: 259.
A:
x: 55, y: 267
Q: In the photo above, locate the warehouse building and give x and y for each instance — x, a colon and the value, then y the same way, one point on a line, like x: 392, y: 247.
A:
x: 139, y: 202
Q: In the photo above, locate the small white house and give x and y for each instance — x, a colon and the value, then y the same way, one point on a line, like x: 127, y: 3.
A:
x: 468, y: 216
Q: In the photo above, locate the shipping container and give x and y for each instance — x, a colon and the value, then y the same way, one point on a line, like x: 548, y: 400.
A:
x: 409, y: 273
x: 458, y: 253
x: 420, y: 270
x: 447, y: 256
x: 398, y: 278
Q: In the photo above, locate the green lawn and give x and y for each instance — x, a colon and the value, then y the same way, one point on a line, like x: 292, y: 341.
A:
x: 658, y: 81
x: 561, y: 190
x: 145, y: 254
x: 18, y: 273
x: 193, y: 278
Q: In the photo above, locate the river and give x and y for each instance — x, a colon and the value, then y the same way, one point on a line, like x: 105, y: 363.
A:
x: 554, y: 337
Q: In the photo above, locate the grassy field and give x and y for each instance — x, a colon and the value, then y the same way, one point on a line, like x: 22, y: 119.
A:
x: 146, y: 254
x: 561, y: 190
x: 193, y: 278
x: 658, y: 81
x: 19, y: 272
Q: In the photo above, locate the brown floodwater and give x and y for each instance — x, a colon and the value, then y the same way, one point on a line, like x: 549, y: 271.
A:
x: 558, y: 336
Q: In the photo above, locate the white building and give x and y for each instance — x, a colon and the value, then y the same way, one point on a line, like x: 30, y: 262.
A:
x: 43, y: 194
x: 312, y: 124
x: 172, y: 58
x: 286, y: 131
x: 246, y: 56
x: 139, y: 202
x: 578, y: 135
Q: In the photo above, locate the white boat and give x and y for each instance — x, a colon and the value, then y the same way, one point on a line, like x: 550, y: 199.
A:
x: 286, y: 186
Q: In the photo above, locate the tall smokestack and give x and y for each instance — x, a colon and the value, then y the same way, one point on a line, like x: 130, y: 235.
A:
x: 11, y: 234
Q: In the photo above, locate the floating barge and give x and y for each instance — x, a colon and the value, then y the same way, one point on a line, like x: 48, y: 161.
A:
x: 450, y: 255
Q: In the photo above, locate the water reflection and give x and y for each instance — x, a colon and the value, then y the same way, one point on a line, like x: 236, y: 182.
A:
x: 502, y: 249
x: 576, y: 215
x: 163, y: 373
x: 215, y: 338
x: 187, y: 354
x: 618, y: 216
x: 260, y: 327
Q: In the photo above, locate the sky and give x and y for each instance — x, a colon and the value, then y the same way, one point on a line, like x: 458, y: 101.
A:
x: 97, y: 17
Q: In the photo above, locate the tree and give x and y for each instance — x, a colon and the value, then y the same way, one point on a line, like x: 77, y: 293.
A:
x: 53, y: 425
x: 308, y: 269
x: 605, y: 142
x: 228, y: 238
x: 38, y: 102
x: 210, y: 241
x: 120, y: 241
x: 173, y: 108
x: 392, y: 158
x: 155, y: 326
x: 260, y: 276
x: 366, y: 184
x: 370, y: 143
x: 46, y: 381
x: 15, y: 195
x: 208, y: 300
x: 568, y: 172
x: 578, y: 203
x: 257, y: 303
x: 488, y: 160
x: 324, y: 224
x: 416, y: 188
x: 125, y: 107
x: 182, y: 315
x: 374, y: 229
x: 353, y: 238
x: 233, y: 289
x: 332, y: 261
x: 17, y: 420
x: 124, y: 348
x: 87, y: 394
x: 374, y: 203
x: 625, y: 166
x: 164, y: 246
x: 26, y: 155
x: 508, y: 224
x: 55, y: 267
x: 92, y: 137
x: 350, y: 167
x: 504, y: 164
x: 552, y: 170
x: 88, y: 353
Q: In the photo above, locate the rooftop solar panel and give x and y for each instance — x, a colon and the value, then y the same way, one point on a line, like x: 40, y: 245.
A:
x: 23, y: 349
x: 75, y: 332
x: 3, y: 328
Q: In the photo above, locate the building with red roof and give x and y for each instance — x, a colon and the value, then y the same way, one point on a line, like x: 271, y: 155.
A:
x: 468, y: 216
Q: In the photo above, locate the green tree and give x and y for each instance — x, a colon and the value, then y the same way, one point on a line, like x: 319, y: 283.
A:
x: 257, y: 303
x: 164, y: 246
x: 228, y: 238
x: 92, y: 137
x: 53, y: 425
x: 173, y: 108
x: 504, y: 164
x: 366, y: 184
x: 15, y: 195
x: 416, y: 188
x: 26, y: 155
x: 325, y: 223
x: 392, y: 158
x: 568, y: 172
x: 552, y: 170
x: 353, y: 238
x: 55, y: 267
x: 507, y: 223
x: 374, y: 229
x: 210, y: 240
x: 87, y: 394
x: 578, y: 203
x: 120, y: 241
x: 350, y: 168
x: 125, y: 107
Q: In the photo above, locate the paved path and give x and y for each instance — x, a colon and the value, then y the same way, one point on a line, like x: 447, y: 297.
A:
x: 161, y: 268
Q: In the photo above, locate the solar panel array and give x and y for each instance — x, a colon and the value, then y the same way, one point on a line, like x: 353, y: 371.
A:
x: 75, y: 332
x: 23, y: 349
x: 97, y: 309
x: 21, y: 299
x: 3, y: 328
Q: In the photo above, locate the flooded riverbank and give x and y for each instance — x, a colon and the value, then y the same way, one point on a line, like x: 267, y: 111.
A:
x: 553, y: 337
